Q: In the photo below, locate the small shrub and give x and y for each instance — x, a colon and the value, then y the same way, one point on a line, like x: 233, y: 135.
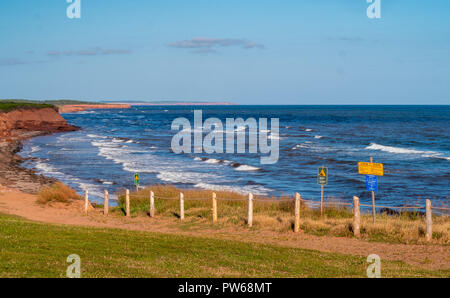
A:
x: 58, y: 192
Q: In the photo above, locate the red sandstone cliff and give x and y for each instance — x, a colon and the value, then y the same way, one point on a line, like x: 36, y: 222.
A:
x: 48, y: 120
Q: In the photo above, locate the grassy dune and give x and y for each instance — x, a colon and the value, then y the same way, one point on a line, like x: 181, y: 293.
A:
x: 31, y: 249
x: 406, y: 227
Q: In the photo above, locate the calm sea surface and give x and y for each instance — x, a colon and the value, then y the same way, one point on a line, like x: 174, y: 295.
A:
x: 413, y: 143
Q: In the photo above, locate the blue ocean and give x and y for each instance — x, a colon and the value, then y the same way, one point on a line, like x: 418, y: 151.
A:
x: 413, y: 143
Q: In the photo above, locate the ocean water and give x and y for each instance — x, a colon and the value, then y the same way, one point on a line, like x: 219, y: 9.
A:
x: 413, y: 143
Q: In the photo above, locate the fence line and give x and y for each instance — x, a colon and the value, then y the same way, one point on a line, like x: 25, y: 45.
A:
x: 441, y: 208
x: 288, y: 200
x: 356, y: 208
x: 394, y: 207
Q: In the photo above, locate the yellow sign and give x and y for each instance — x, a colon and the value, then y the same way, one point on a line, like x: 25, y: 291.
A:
x: 322, y: 173
x: 370, y: 168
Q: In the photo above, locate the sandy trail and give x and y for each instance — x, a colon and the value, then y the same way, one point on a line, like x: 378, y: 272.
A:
x: 15, y: 202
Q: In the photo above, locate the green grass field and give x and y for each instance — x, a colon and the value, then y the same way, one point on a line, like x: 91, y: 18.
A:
x: 29, y: 249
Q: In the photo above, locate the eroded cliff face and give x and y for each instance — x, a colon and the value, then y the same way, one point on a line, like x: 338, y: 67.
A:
x: 16, y: 126
x: 48, y: 120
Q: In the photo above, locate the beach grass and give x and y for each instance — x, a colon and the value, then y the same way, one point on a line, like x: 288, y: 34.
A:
x: 269, y: 214
x: 30, y: 249
x: 58, y: 192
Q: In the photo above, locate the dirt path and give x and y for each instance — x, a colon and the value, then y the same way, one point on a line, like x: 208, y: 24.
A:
x: 425, y: 256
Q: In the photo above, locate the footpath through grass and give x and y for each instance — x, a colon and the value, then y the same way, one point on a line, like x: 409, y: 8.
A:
x: 29, y: 249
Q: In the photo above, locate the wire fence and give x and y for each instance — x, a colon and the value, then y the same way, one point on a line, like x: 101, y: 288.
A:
x: 295, y: 205
x: 311, y: 203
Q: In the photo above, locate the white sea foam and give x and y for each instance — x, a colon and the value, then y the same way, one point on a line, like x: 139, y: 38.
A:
x: 390, y: 149
x: 212, y: 160
x: 399, y: 150
x: 197, y: 159
x: 184, y: 176
x: 274, y: 137
x: 247, y: 168
x: 47, y: 169
x: 35, y: 149
x: 318, y: 137
x: 254, y: 189
x: 96, y: 136
x: 308, y: 129
x: 145, y: 162
x: 300, y: 146
x: 95, y: 191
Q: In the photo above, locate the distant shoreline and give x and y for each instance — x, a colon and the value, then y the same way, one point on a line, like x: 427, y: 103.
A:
x: 177, y: 103
x: 82, y: 108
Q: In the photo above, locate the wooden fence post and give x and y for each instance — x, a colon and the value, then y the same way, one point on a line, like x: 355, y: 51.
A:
x: 214, y: 207
x: 297, y: 213
x: 106, y: 203
x: 127, y: 202
x: 356, y: 217
x: 152, y: 204
x: 86, y: 201
x: 429, y: 221
x: 250, y: 210
x: 181, y: 206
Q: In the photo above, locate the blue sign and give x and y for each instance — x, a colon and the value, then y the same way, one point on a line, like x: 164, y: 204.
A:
x: 371, y: 183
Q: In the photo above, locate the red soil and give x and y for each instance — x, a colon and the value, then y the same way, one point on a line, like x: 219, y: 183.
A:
x: 46, y: 120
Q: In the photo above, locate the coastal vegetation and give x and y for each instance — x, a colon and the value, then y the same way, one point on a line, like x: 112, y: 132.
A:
x: 8, y: 106
x: 31, y: 249
x: 58, y: 192
x: 58, y: 102
x: 277, y: 214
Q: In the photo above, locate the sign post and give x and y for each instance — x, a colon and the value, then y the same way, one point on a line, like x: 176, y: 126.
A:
x: 371, y: 170
x: 322, y: 180
x: 374, y: 214
x: 136, y: 181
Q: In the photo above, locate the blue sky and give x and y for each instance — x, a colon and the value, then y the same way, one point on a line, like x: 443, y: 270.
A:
x: 248, y: 52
